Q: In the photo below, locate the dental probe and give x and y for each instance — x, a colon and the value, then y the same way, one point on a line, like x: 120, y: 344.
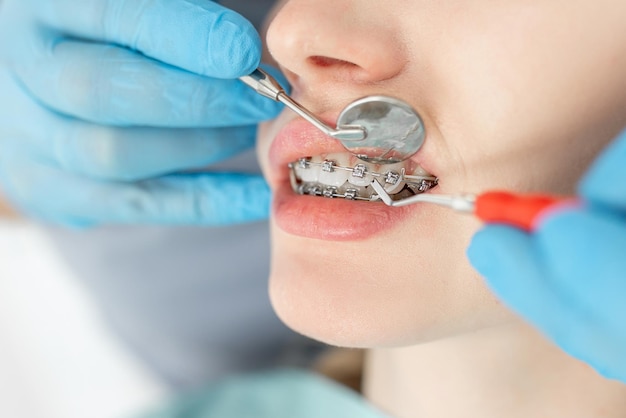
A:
x: 517, y: 210
x: 377, y: 129
x: 268, y: 86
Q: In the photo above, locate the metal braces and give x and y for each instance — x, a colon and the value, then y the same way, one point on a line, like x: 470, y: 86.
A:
x: 416, y: 184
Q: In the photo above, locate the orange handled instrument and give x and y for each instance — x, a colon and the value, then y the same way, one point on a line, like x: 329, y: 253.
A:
x: 516, y: 210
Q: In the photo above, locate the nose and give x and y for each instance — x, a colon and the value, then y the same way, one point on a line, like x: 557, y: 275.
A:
x: 325, y: 41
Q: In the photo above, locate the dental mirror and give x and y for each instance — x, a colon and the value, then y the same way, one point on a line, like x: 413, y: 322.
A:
x: 394, y: 131
x: 377, y: 129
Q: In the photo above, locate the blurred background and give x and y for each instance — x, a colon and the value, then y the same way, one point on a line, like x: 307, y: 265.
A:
x: 58, y: 357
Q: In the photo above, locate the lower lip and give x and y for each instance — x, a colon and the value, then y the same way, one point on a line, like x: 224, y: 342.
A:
x: 333, y: 219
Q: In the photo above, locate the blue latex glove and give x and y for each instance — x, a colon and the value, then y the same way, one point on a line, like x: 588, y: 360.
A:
x: 569, y: 277
x: 278, y: 394
x: 106, y: 106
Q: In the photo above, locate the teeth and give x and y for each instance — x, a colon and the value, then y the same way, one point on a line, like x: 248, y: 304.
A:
x: 359, y: 191
x: 329, y: 192
x: 328, y: 166
x: 305, y: 171
x: 361, y: 175
x: 343, y: 176
x: 394, y: 180
x: 331, y: 175
x: 419, y: 171
x: 310, y: 189
x: 351, y: 194
x: 304, y: 162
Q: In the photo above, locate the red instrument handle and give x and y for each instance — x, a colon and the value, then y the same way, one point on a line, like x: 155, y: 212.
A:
x: 513, y: 209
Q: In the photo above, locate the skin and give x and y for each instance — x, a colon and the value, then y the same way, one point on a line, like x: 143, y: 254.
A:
x: 515, y: 95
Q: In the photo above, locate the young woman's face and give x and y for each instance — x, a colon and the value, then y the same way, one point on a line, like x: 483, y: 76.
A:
x: 514, y: 95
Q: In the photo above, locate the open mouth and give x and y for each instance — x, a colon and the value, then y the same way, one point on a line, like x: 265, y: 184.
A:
x: 321, y: 191
x: 341, y: 175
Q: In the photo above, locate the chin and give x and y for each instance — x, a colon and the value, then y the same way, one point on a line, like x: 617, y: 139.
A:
x: 369, y: 293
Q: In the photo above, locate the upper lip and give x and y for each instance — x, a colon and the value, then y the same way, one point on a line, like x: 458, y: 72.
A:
x: 297, y: 139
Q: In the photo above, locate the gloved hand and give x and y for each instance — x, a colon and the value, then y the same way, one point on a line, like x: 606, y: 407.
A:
x: 568, y: 278
x: 106, y: 106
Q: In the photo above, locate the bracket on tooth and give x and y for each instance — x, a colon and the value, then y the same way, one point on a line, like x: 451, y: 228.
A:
x: 391, y: 177
x: 304, y: 162
x: 425, y: 185
x: 351, y: 194
x: 328, y: 166
x: 330, y: 192
x: 315, y: 191
x: 359, y: 171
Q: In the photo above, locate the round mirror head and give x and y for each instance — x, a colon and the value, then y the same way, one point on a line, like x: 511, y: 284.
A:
x: 394, y: 129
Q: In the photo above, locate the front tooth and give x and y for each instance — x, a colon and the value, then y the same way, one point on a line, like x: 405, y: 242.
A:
x: 393, y: 182
x: 393, y: 178
x: 304, y: 162
x: 341, y: 159
x: 350, y: 189
x: 331, y: 174
x: 361, y: 175
x: 351, y: 194
x: 306, y: 171
x: 329, y: 192
x: 311, y: 189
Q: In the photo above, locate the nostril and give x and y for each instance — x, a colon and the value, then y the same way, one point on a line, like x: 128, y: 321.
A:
x: 320, y: 61
x: 341, y: 69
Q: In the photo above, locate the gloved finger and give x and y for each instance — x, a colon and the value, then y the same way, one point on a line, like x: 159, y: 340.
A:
x: 512, y: 265
x: 110, y: 152
x: 196, y: 35
x: 181, y: 199
x: 605, y: 183
x: 507, y: 259
x: 583, y: 252
x: 111, y: 85
x: 129, y: 154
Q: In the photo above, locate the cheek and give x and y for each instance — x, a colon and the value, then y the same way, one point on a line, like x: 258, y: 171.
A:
x: 396, y: 289
x: 266, y: 133
x: 517, y: 97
